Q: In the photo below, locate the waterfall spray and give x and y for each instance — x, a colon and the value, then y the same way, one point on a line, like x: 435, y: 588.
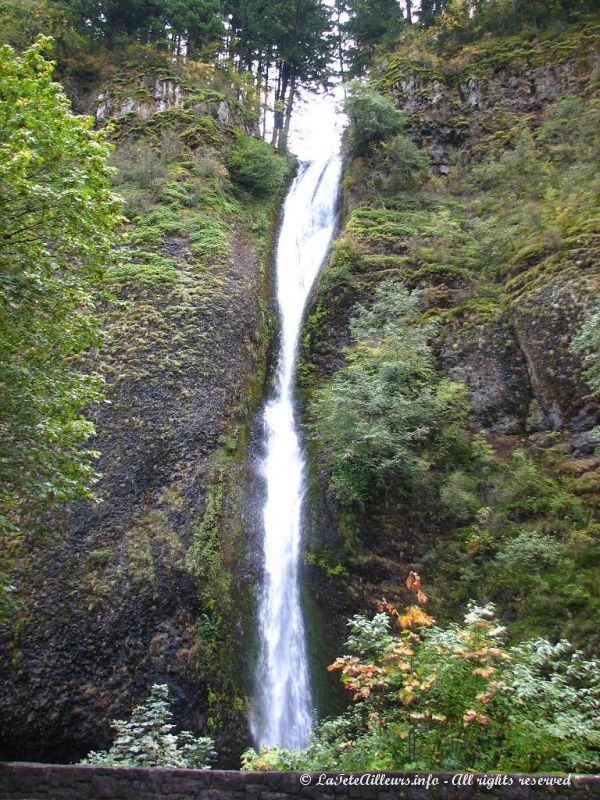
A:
x: 282, y: 713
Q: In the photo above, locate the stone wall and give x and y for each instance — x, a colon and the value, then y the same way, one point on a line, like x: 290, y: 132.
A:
x: 20, y: 781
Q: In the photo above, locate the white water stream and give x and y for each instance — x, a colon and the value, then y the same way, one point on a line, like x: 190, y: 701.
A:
x: 282, y: 713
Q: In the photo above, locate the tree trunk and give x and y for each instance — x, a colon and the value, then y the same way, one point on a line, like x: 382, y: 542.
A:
x: 265, y: 101
x: 280, y: 95
x: 288, y: 115
x: 409, y: 11
x: 340, y: 49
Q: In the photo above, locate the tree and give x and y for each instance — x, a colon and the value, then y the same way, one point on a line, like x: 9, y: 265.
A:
x: 287, y: 43
x: 22, y: 20
x: 385, y: 418
x: 303, y: 52
x: 195, y: 23
x: 371, y: 23
x: 373, y: 118
x: 189, y: 26
x: 431, y: 10
x: 57, y: 229
x: 254, y: 165
x: 146, y: 740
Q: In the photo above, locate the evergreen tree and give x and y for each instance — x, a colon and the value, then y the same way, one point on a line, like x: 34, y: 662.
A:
x: 371, y: 23
x: 147, y: 739
x: 431, y: 10
x: 196, y: 23
x: 287, y: 42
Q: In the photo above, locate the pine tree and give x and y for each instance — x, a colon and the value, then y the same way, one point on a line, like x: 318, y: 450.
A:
x: 147, y: 740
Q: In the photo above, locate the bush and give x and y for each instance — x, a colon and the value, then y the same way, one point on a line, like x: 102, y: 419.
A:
x: 373, y: 118
x: 255, y: 166
x: 401, y: 165
x: 427, y: 697
x: 384, y: 419
x: 146, y: 739
x: 139, y: 163
x: 587, y: 344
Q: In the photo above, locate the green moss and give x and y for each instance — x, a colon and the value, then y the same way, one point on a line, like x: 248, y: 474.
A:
x: 528, y: 552
x: 149, y: 269
x: 326, y: 561
x: 204, y: 130
x: 100, y: 556
x: 400, y: 67
x: 151, y: 534
x: 203, y: 558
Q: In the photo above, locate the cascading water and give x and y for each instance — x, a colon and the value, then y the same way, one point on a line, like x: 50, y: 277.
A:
x: 282, y: 713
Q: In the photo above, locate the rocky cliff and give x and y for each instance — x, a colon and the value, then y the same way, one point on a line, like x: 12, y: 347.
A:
x: 148, y: 583
x: 504, y: 252
x: 500, y: 239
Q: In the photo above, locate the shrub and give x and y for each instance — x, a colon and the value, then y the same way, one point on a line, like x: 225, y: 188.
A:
x: 255, y: 166
x: 426, y: 697
x: 529, y: 551
x: 384, y: 418
x: 401, y: 165
x: 587, y: 343
x: 373, y: 118
x: 139, y: 163
x: 146, y: 739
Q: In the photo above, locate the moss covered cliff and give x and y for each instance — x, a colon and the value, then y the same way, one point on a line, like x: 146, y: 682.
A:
x: 500, y: 239
x: 478, y: 192
x: 147, y: 585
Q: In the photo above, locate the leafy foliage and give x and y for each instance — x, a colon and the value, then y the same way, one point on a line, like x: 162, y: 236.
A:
x: 387, y: 417
x: 463, y: 20
x: 370, y: 24
x: 373, y: 118
x: 255, y: 166
x: 587, y: 342
x: 146, y: 740
x: 523, y: 540
x: 426, y: 697
x: 57, y: 225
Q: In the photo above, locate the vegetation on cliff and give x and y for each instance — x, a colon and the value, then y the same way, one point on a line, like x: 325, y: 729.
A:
x: 504, y: 233
x: 426, y: 697
x: 283, y: 45
x: 389, y: 419
x: 449, y: 368
x: 114, y: 584
x: 57, y: 232
x: 471, y: 181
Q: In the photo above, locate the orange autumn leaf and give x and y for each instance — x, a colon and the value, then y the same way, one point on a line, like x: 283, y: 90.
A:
x: 474, y: 716
x: 415, y: 616
x: 413, y: 581
x: 485, y: 672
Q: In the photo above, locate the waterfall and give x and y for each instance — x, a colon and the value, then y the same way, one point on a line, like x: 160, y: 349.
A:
x: 282, y: 713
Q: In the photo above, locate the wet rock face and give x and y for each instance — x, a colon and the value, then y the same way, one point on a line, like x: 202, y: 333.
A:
x: 487, y: 358
x: 144, y: 94
x: 450, y: 105
x: 522, y: 375
x: 517, y: 86
x: 544, y: 323
x: 108, y: 604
